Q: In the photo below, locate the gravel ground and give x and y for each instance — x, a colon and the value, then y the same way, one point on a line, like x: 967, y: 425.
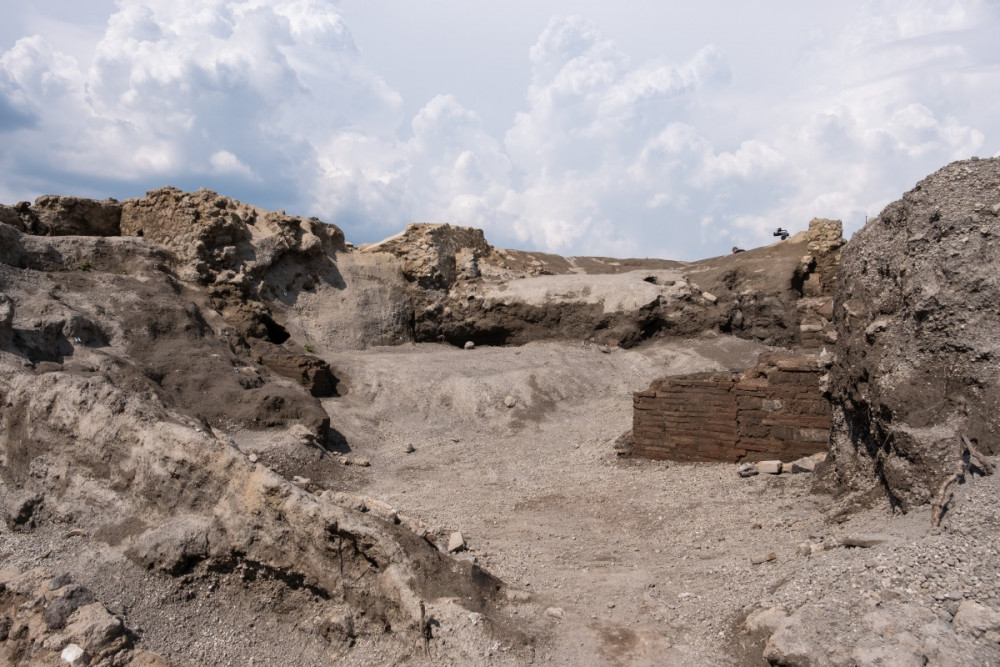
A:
x: 634, y: 562
x: 609, y: 560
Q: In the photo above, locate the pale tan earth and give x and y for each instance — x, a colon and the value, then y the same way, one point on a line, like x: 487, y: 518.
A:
x: 164, y: 445
x: 650, y: 562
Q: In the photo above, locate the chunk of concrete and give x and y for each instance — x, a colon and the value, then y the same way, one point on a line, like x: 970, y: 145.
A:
x: 975, y: 618
x: 92, y: 627
x: 808, y: 463
x: 456, y: 542
x: 769, y: 467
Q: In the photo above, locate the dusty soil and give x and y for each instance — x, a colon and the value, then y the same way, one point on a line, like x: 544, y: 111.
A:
x: 160, y: 448
x: 647, y: 563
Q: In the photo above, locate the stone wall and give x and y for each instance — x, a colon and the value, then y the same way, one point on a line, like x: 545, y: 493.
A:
x: 818, y: 275
x: 776, y: 410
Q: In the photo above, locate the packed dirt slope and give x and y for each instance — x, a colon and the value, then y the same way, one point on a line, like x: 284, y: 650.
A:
x: 918, y: 353
x: 227, y: 434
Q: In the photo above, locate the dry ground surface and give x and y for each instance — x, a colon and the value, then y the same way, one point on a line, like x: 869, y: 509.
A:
x: 606, y: 560
x: 609, y: 561
x: 621, y: 562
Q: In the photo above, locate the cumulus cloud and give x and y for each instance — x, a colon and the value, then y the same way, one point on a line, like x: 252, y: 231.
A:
x: 272, y: 101
x: 178, y: 89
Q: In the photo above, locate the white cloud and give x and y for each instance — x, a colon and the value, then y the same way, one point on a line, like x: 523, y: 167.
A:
x: 179, y: 88
x: 272, y: 101
x: 224, y: 162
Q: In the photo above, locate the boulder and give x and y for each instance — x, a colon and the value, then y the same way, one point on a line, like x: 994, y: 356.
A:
x: 976, y: 619
x: 58, y: 611
x: 6, y: 319
x: 435, y: 256
x: 456, y: 542
x: 10, y: 246
x: 917, y: 358
x: 93, y: 628
x: 174, y: 546
x: 77, y: 216
x: 218, y: 239
x: 769, y: 467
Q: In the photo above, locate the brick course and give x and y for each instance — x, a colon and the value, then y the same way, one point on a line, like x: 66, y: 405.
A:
x: 776, y: 410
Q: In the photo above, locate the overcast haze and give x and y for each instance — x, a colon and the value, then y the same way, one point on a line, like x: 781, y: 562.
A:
x: 666, y: 129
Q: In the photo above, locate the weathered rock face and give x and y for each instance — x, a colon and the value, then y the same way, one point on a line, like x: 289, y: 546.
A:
x: 462, y: 289
x: 53, y: 215
x: 77, y: 216
x: 221, y: 240
x: 918, y: 310
x: 123, y: 378
x: 10, y: 245
x: 436, y: 255
x: 50, y: 621
x: 6, y: 320
x: 618, y: 309
x: 207, y: 501
x: 247, y: 256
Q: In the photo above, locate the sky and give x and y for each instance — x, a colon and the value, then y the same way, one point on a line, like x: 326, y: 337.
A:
x: 627, y: 129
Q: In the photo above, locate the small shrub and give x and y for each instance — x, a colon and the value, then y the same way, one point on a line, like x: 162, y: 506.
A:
x: 85, y: 265
x: 309, y: 347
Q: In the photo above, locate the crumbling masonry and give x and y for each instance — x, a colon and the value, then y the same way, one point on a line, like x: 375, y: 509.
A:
x: 776, y: 410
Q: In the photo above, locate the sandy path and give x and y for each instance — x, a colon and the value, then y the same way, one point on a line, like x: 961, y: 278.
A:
x: 649, y: 562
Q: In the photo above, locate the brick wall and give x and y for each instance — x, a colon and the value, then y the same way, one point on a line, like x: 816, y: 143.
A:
x: 776, y: 410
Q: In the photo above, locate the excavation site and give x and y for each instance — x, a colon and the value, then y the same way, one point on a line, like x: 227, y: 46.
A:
x: 232, y: 436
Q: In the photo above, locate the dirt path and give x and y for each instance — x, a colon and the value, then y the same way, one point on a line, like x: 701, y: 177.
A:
x: 649, y: 563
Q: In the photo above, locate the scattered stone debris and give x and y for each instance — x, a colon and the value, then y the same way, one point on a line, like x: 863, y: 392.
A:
x: 808, y: 464
x: 456, y: 542
x: 48, y: 619
x: 769, y: 467
x: 227, y: 288
x: 764, y: 558
x: 864, y: 541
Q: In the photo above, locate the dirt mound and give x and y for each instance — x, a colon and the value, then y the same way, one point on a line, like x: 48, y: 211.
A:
x: 463, y: 290
x: 167, y: 450
x: 434, y: 256
x: 918, y: 359
x: 53, y: 621
x: 122, y: 390
x: 52, y: 215
x: 219, y: 239
x: 78, y: 450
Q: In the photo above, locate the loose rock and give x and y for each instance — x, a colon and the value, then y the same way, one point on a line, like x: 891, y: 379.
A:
x: 769, y: 467
x: 456, y: 542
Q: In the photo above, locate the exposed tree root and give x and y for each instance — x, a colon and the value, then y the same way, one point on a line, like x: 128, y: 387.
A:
x: 967, y: 453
